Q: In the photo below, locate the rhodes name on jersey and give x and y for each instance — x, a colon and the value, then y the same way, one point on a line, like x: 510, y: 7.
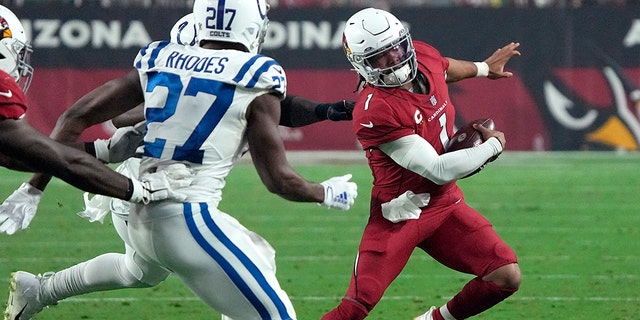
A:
x: 195, y: 105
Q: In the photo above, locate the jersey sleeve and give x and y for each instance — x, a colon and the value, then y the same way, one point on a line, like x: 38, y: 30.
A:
x: 430, y: 55
x: 376, y: 122
x: 13, y: 104
x: 147, y: 56
x: 263, y: 73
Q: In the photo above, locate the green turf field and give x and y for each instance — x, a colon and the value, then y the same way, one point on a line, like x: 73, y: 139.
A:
x: 572, y: 218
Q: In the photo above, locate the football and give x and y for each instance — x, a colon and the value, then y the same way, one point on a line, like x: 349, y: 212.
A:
x: 467, y: 136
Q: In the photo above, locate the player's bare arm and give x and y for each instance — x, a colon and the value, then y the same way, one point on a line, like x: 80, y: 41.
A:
x: 101, y: 104
x: 268, y: 153
x: 69, y: 164
x: 499, y: 59
x: 12, y: 163
x: 129, y: 118
x: 493, y: 66
x: 460, y: 70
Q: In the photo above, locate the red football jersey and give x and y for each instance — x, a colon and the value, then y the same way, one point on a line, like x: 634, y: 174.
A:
x: 385, y: 114
x: 12, y: 101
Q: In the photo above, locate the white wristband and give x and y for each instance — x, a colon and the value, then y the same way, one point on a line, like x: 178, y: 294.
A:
x: 138, y: 195
x: 483, y: 69
x: 102, y: 149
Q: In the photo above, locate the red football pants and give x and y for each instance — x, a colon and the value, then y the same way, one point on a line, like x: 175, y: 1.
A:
x: 454, y: 234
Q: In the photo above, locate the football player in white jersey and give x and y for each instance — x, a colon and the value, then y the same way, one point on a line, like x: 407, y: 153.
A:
x: 257, y: 248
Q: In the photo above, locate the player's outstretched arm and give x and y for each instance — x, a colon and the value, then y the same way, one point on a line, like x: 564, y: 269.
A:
x: 129, y: 118
x: 297, y: 111
x: 17, y: 211
x: 268, y: 153
x: 73, y: 166
x: 101, y: 104
x: 499, y: 59
x: 492, y: 67
x: 78, y: 168
x: 269, y: 157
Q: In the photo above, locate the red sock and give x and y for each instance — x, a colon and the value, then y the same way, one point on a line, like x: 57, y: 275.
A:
x: 436, y: 314
x: 348, y: 309
x: 476, y: 297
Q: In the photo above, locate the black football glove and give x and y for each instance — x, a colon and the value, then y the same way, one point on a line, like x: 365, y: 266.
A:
x: 336, y: 111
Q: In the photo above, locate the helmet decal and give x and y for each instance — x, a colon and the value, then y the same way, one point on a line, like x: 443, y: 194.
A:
x: 263, y: 15
x: 6, y: 31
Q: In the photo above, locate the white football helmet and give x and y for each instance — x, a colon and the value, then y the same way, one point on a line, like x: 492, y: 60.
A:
x: 184, y: 31
x: 371, y: 33
x: 15, y: 50
x: 237, y: 21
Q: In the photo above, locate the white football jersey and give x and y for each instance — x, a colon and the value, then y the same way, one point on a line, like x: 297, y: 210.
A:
x: 195, y: 106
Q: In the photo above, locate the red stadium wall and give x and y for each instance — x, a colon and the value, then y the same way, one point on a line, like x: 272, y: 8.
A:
x: 54, y: 90
x: 507, y: 101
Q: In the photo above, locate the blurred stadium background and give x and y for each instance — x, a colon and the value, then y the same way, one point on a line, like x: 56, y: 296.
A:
x: 576, y: 85
x: 385, y: 4
x: 572, y: 217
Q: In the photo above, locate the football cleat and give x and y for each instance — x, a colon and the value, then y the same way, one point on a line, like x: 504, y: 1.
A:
x: 24, y: 301
x: 427, y: 315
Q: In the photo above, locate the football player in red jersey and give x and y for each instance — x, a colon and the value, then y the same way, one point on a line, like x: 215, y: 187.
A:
x: 403, y: 117
x: 24, y: 148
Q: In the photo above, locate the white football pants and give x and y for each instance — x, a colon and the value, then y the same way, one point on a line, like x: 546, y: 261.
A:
x: 230, y: 268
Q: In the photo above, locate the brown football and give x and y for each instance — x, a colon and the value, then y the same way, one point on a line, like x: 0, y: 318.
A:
x: 467, y: 136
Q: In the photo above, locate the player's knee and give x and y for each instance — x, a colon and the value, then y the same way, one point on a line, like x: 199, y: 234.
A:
x: 513, y: 277
x: 507, y: 277
x: 152, y: 281
x: 132, y: 281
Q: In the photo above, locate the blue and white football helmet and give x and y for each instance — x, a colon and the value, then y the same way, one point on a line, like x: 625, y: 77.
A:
x: 184, y: 31
x: 236, y: 21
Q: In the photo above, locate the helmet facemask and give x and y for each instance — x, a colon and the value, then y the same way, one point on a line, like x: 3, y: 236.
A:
x: 262, y: 34
x: 399, y: 74
x: 23, y: 66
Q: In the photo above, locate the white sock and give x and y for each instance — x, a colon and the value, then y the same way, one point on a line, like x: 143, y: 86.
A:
x: 444, y: 311
x: 104, y: 272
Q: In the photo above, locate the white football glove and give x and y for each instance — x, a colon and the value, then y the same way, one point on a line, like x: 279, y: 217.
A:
x: 161, y: 185
x: 96, y: 208
x: 122, y: 145
x: 339, y: 192
x: 17, y: 211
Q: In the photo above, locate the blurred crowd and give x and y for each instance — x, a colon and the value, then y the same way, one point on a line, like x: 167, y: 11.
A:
x: 383, y: 4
